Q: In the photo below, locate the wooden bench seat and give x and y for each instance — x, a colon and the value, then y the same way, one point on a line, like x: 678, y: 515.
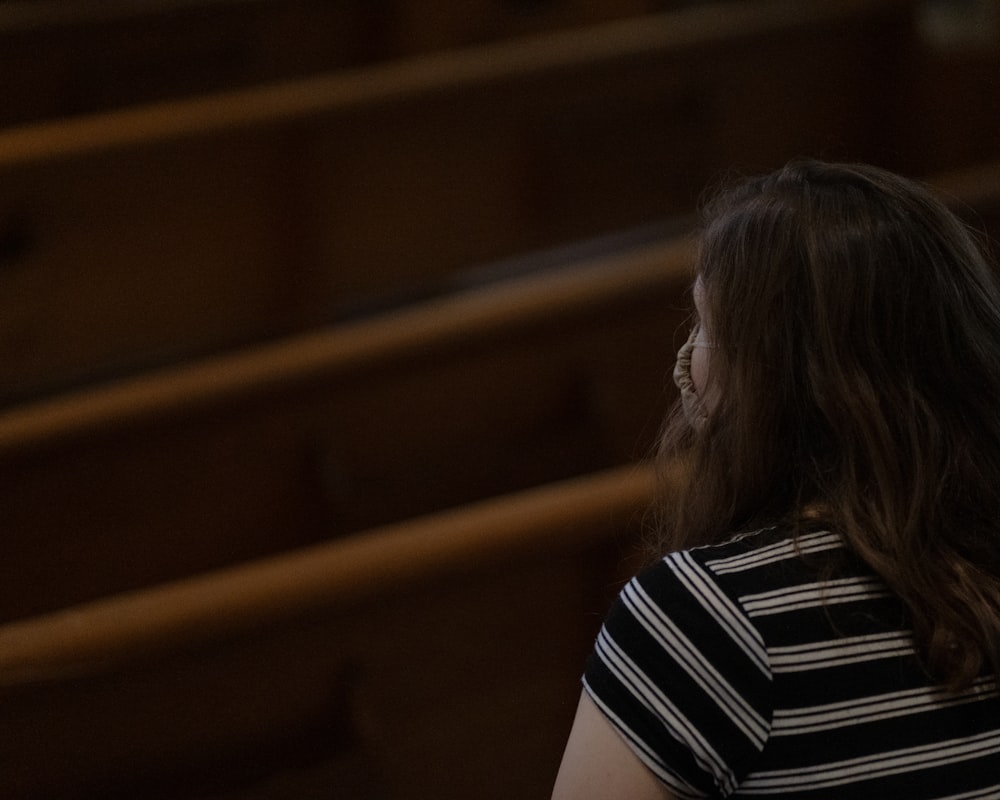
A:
x: 439, y: 657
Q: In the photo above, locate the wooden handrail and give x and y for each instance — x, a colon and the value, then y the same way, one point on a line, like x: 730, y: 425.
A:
x: 470, y: 68
x: 345, y: 349
x: 101, y: 635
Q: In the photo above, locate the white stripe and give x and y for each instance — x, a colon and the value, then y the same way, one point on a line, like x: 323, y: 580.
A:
x: 811, y: 719
x: 673, y: 641
x: 654, y: 700
x: 717, y: 603
x: 674, y: 782
x: 840, y: 652
x: 876, y: 765
x: 811, y: 595
x: 779, y: 551
x: 975, y: 794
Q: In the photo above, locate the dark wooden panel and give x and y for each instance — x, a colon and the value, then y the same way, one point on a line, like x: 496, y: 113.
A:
x: 488, y: 392
x: 80, y: 56
x: 420, y: 660
x: 170, y: 231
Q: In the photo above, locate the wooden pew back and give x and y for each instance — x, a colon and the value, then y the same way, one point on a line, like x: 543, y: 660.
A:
x: 435, y: 658
x: 147, y: 235
x: 488, y: 391
x: 80, y: 56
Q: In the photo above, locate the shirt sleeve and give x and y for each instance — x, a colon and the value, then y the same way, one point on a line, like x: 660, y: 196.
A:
x: 681, y: 672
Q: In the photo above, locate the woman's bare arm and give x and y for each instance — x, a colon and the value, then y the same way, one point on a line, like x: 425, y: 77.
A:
x: 599, y: 765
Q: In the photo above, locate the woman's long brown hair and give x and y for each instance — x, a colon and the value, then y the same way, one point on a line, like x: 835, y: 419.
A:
x: 855, y: 379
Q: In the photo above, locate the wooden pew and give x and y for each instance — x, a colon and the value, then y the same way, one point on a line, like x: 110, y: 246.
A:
x: 75, y: 57
x: 439, y: 657
x: 488, y: 391
x: 482, y: 392
x: 146, y: 235
x: 80, y: 56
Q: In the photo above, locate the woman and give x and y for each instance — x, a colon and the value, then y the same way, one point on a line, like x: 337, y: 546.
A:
x: 826, y: 623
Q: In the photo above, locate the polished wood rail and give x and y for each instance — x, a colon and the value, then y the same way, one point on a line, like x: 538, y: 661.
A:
x: 547, y: 521
x: 477, y: 68
x: 439, y: 325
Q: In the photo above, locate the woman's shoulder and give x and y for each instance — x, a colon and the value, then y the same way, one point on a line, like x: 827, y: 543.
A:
x: 747, y: 565
x: 764, y: 552
x: 775, y: 542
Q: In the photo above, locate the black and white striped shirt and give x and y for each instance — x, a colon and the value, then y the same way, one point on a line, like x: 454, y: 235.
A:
x: 764, y: 666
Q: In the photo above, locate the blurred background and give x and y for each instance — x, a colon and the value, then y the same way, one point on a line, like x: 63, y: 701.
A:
x: 334, y: 338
